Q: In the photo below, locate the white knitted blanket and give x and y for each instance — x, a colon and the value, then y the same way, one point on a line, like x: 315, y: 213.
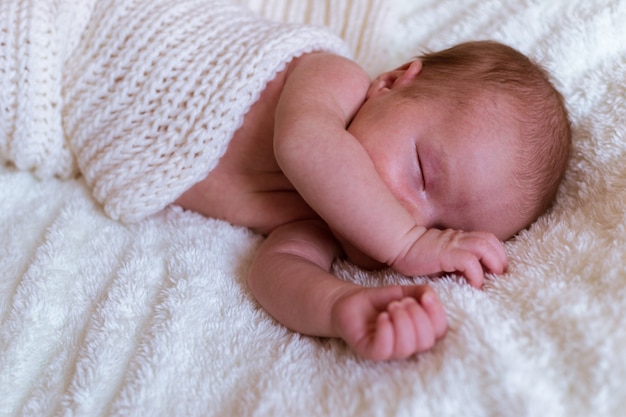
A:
x: 147, y: 96
x: 154, y: 318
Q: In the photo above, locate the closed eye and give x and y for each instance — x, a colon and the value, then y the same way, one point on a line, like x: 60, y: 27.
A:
x: 420, y: 169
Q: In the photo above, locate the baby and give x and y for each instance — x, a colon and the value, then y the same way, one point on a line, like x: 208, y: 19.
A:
x: 268, y: 125
x: 425, y: 169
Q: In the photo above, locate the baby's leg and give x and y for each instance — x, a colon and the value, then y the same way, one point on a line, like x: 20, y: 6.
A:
x: 390, y: 322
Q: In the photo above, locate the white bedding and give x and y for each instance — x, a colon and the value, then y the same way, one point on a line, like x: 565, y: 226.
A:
x: 98, y: 318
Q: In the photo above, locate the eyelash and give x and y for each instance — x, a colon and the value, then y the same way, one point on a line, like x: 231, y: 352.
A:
x: 421, y: 168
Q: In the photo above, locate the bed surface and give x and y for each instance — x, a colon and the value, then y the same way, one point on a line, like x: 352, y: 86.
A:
x: 98, y: 318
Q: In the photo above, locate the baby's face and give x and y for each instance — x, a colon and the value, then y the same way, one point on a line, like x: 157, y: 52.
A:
x: 448, y: 171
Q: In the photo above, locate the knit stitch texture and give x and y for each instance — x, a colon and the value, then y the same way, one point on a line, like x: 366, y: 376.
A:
x: 153, y: 93
x: 36, y: 38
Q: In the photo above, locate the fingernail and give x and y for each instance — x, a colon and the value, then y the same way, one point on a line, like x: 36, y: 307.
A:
x: 428, y: 298
x: 393, y: 305
x: 408, y: 300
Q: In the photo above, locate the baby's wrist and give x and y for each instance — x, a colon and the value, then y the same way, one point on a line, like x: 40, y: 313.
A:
x: 404, y: 260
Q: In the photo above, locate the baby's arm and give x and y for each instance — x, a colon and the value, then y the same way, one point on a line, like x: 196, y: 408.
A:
x: 328, y: 166
x: 290, y: 278
x: 334, y: 174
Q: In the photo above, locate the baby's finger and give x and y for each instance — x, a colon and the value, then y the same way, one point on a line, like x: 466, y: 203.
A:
x: 435, y: 312
x: 492, y: 261
x: 404, y: 330
x: 381, y: 345
x: 497, y: 251
x: 429, y: 316
x: 381, y: 297
x: 424, y: 331
x: 490, y: 252
x: 466, y: 263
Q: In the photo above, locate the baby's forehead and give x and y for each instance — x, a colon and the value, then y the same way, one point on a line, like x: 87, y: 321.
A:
x: 459, y: 113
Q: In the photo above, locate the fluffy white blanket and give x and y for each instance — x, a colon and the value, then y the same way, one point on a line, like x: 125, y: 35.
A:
x: 154, y: 319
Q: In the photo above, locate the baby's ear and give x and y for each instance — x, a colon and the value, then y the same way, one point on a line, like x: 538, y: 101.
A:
x: 399, y: 77
x: 409, y: 71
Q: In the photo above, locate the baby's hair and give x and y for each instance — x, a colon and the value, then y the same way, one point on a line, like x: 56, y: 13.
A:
x: 466, y: 71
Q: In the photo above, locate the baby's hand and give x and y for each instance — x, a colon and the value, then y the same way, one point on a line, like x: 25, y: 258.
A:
x: 389, y: 322
x: 471, y: 253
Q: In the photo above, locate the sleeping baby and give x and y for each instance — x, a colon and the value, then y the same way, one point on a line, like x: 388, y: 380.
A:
x: 426, y: 169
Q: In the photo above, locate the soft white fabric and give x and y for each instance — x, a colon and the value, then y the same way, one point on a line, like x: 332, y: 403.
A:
x: 358, y: 22
x: 151, y: 95
x: 154, y: 318
x: 36, y: 38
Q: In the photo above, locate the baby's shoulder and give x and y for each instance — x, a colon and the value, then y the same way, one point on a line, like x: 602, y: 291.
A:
x: 330, y: 69
x: 323, y: 80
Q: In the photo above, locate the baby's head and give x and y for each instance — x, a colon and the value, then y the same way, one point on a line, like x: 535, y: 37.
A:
x: 499, y: 129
